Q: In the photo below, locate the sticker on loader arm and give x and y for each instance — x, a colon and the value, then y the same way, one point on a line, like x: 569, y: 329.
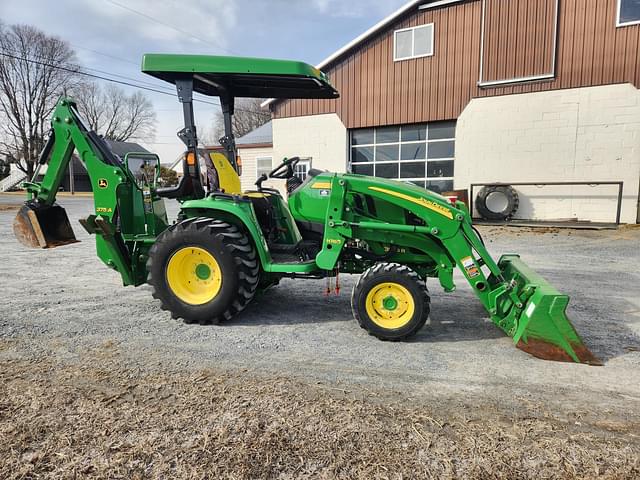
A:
x: 530, y: 309
x: 470, y: 267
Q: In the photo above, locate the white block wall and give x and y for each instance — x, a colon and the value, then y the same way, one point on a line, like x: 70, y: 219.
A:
x: 249, y: 165
x: 321, y: 137
x: 583, y: 134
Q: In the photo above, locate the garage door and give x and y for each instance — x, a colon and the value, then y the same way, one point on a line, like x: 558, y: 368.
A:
x: 422, y: 154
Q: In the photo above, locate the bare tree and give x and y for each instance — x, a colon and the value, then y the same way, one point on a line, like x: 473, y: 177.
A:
x: 35, y: 69
x: 114, y: 114
x: 248, y: 116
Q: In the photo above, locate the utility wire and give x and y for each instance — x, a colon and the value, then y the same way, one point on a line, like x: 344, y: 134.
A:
x: 108, y: 55
x: 143, y: 82
x: 80, y: 72
x: 41, y: 59
x: 184, y: 32
x: 112, y: 80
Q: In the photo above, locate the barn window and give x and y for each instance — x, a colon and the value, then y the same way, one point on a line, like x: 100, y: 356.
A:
x: 422, y: 154
x: 263, y: 165
x: 413, y: 42
x: 628, y: 12
x: 303, y: 167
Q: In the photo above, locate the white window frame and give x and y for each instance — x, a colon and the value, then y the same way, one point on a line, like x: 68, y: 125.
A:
x: 413, y: 29
x: 623, y: 24
x: 304, y: 161
x: 265, y: 157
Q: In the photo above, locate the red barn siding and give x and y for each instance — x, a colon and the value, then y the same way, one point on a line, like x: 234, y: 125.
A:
x: 375, y: 90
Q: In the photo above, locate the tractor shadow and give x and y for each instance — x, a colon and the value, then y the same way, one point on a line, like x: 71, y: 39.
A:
x: 456, y: 317
x: 453, y: 317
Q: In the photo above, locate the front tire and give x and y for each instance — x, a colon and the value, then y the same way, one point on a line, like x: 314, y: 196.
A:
x: 203, y: 270
x: 390, y: 301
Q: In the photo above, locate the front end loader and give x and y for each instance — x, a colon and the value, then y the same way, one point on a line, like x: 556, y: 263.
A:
x: 227, y: 244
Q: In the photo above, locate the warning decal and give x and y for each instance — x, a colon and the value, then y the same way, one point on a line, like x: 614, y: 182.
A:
x: 470, y: 267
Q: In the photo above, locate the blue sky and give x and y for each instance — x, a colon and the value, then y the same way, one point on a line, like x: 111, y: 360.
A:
x: 111, y: 38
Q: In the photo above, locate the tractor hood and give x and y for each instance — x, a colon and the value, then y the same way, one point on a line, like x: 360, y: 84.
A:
x: 241, y: 76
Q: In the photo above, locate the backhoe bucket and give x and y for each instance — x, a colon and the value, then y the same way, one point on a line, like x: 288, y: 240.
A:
x: 39, y: 226
x: 542, y: 328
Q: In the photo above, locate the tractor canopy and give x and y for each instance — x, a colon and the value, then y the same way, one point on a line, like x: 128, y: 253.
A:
x: 241, y: 76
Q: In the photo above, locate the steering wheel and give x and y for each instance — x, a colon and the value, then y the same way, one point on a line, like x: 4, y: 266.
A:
x: 286, y: 169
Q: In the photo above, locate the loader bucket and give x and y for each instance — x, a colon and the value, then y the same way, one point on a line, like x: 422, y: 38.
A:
x: 543, y: 329
x: 40, y: 226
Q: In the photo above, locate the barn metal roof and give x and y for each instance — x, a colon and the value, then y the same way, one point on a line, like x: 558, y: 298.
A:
x: 422, y: 5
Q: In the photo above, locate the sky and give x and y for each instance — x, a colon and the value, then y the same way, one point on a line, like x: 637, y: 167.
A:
x: 108, y: 35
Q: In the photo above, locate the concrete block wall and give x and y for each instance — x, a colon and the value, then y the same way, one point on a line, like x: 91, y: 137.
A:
x: 249, y: 167
x: 583, y: 134
x: 321, y: 137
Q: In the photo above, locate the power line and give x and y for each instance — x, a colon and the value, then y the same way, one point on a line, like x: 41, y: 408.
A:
x: 33, y: 55
x: 108, y: 55
x: 184, y: 32
x: 112, y: 80
x: 151, y: 84
x: 80, y: 72
x: 131, y: 62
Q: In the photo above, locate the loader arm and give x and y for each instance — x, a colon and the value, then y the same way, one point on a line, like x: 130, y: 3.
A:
x: 520, y: 302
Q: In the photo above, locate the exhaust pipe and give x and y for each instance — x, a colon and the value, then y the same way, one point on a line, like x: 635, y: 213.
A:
x: 41, y: 226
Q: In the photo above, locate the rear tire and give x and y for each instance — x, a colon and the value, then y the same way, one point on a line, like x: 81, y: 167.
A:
x: 390, y: 301
x: 203, y: 270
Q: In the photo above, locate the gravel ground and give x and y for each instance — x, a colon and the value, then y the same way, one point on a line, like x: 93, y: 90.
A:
x: 62, y: 304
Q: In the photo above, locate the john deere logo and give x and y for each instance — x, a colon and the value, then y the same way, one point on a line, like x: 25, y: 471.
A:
x: 102, y: 183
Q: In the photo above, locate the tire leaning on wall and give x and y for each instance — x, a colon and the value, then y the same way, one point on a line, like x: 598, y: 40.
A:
x: 507, y: 208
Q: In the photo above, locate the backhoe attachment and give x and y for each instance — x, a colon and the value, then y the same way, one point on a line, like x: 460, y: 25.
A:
x: 42, y: 226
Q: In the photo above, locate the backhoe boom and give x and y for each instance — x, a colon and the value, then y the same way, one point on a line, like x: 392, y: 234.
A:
x: 116, y: 195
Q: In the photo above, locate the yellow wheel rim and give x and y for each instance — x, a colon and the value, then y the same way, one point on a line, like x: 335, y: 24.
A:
x: 194, y: 275
x: 390, y: 305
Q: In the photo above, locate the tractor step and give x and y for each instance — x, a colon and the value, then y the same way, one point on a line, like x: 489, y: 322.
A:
x: 283, y: 248
x: 288, y: 258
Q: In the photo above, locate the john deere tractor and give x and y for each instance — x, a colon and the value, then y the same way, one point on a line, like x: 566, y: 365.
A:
x: 227, y: 244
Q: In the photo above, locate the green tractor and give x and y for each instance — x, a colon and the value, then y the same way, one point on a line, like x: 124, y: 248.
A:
x: 227, y: 244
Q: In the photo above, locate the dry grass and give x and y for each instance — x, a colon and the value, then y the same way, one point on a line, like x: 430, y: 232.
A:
x: 99, y: 420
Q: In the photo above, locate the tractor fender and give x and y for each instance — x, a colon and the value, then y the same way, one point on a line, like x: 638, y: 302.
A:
x: 238, y: 213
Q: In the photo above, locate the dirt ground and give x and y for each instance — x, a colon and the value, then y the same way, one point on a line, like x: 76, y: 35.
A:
x: 97, y: 381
